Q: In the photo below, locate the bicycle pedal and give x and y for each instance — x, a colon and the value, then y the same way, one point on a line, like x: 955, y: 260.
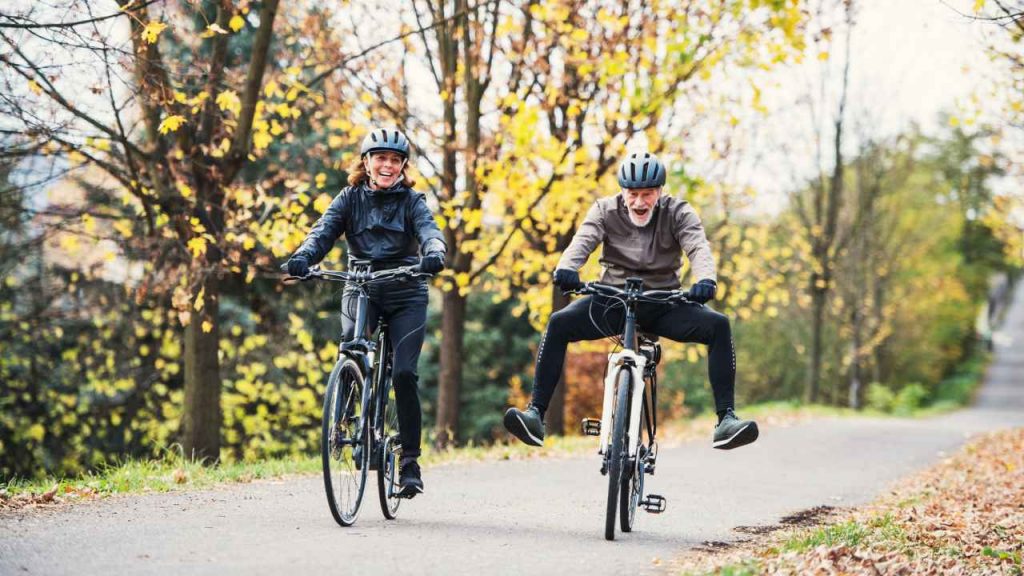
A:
x: 590, y: 427
x: 654, y: 503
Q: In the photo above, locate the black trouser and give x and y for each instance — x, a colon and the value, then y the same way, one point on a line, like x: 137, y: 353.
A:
x: 403, y: 304
x: 591, y: 318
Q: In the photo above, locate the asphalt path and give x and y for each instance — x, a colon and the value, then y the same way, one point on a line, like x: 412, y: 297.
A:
x: 540, y: 516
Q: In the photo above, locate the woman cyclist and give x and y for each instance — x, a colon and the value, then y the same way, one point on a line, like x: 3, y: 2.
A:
x: 388, y: 223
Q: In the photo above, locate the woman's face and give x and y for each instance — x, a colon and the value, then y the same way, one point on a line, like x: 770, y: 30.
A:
x: 384, y: 168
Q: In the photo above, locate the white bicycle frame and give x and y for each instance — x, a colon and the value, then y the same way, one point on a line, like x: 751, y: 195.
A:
x: 616, y: 361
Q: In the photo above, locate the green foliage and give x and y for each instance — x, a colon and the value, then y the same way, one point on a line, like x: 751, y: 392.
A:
x: 880, y: 397
x: 909, y: 399
x: 498, y: 348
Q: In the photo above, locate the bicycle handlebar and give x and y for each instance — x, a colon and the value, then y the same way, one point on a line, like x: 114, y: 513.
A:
x: 317, y: 273
x: 658, y: 296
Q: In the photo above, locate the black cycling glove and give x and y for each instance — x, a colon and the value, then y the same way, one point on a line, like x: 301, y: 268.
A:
x: 432, y: 263
x: 298, y: 266
x: 703, y: 291
x: 567, y: 279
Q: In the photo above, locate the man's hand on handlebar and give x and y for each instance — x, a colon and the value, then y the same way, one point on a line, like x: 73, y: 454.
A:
x: 567, y: 280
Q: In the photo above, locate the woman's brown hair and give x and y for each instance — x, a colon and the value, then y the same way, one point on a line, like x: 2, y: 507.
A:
x: 357, y: 174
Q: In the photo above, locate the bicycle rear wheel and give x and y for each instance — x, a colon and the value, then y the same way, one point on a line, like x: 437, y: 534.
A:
x: 344, y: 476
x: 390, y: 452
x: 617, y: 450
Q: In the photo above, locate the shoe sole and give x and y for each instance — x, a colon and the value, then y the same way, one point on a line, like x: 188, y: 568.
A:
x: 410, y: 491
x: 744, y: 436
x: 515, y: 425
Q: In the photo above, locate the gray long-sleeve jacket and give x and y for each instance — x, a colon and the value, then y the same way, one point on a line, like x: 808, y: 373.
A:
x: 653, y: 252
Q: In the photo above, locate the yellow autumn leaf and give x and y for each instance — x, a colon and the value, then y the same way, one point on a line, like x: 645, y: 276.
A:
x: 185, y: 190
x: 34, y: 87
x: 207, y: 326
x: 171, y: 123
x: 124, y: 227
x: 236, y: 23
x: 200, y: 300
x: 228, y: 100
x: 36, y: 432
x: 321, y: 203
x: 978, y: 5
x: 197, y: 246
x: 151, y: 32
x: 261, y: 140
x: 321, y: 180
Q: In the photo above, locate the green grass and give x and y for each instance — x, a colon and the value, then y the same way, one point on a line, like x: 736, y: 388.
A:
x: 846, y: 534
x: 173, y: 472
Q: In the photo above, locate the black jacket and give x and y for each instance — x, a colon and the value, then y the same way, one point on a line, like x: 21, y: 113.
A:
x: 386, y: 226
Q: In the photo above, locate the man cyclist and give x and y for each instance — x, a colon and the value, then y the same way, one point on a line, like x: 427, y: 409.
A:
x: 388, y: 223
x: 643, y: 233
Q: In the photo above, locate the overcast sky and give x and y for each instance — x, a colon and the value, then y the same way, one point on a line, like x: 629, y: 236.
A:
x: 911, y: 60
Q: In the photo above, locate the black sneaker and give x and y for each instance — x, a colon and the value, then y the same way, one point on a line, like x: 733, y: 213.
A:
x: 409, y: 480
x: 732, y: 432
x: 527, y: 425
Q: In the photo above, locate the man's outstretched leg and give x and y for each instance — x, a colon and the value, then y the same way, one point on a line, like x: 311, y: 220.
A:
x: 570, y: 324
x: 687, y: 323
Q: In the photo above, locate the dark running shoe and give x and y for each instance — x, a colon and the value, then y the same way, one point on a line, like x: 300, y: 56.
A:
x: 732, y: 432
x: 527, y: 425
x: 409, y: 480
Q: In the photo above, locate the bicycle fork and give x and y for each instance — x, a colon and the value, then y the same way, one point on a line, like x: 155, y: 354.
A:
x: 635, y: 364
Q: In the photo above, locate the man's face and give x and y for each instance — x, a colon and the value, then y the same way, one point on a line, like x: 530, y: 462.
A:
x: 385, y: 168
x: 640, y: 202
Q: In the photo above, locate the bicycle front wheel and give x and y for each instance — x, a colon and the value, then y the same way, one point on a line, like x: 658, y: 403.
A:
x: 617, y: 449
x: 632, y: 481
x: 390, y: 453
x: 344, y: 465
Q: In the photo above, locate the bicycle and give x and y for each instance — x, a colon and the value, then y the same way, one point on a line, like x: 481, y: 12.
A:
x: 360, y: 416
x: 625, y: 456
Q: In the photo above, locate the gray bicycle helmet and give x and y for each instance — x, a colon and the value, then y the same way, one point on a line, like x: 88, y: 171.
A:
x: 380, y: 139
x: 641, y: 170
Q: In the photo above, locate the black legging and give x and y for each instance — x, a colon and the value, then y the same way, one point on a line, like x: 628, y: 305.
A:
x: 404, y: 305
x: 591, y: 318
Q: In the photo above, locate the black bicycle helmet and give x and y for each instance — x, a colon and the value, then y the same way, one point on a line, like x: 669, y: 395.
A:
x: 641, y: 170
x: 381, y: 139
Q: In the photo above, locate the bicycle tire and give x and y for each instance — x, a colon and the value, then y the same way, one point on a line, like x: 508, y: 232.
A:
x: 344, y: 478
x: 390, y: 451
x: 632, y: 483
x: 615, y: 451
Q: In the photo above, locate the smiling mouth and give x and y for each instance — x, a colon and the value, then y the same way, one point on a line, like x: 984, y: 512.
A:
x: 641, y: 211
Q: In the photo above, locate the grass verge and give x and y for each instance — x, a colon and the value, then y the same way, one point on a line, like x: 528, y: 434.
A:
x: 963, y: 516
x: 174, y: 472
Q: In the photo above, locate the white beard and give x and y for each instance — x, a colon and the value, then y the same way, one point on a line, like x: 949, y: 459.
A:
x: 640, y: 223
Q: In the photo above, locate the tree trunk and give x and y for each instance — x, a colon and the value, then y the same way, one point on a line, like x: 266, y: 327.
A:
x: 201, y: 418
x: 453, y: 326
x: 817, y: 322
x: 554, y: 418
x: 856, y: 383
